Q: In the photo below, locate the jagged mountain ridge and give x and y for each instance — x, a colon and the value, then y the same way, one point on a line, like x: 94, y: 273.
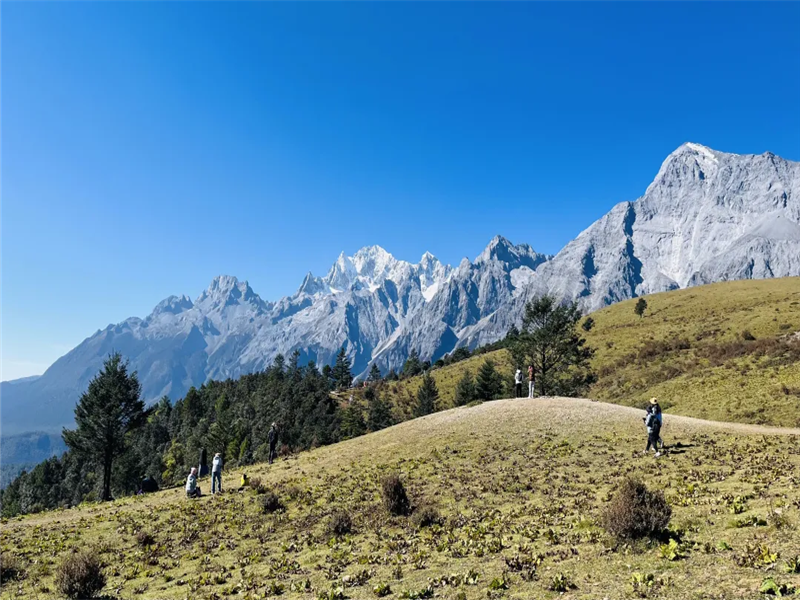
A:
x: 707, y: 216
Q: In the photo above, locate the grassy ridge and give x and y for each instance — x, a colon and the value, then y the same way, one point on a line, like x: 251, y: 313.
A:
x: 520, y: 487
x: 688, y: 350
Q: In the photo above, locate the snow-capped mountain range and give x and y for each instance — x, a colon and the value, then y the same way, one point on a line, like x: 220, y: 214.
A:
x: 708, y: 216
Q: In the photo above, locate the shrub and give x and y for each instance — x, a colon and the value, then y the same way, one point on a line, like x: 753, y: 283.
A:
x: 145, y: 538
x: 80, y: 576
x: 747, y: 336
x: 426, y: 515
x: 636, y: 512
x: 340, y: 523
x: 270, y: 502
x: 11, y: 568
x: 394, y: 495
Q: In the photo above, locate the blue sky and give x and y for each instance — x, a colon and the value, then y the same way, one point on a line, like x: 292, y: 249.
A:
x: 147, y: 147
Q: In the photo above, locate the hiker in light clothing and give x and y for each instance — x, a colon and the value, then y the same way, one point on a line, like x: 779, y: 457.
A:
x: 192, y: 489
x: 531, y: 381
x: 653, y: 424
x: 216, y: 474
x: 518, y: 384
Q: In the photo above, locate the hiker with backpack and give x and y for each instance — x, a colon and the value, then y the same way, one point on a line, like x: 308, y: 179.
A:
x: 655, y: 407
x: 518, y: 384
x: 272, y: 437
x: 216, y: 474
x: 192, y: 489
x: 652, y: 421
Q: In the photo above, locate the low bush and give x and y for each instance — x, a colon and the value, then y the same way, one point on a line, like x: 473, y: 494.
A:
x: 394, y: 495
x: 340, y: 523
x: 11, y: 568
x: 145, y: 538
x: 426, y: 516
x: 270, y: 502
x: 636, y: 512
x: 80, y: 576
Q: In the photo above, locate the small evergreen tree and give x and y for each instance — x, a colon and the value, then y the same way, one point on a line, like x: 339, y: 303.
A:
x: 374, y: 374
x: 427, y: 396
x: 391, y: 375
x: 342, y: 376
x: 588, y: 324
x: 327, y: 373
x: 465, y: 390
x: 641, y: 306
x: 551, y: 343
x: 412, y: 366
x: 379, y: 414
x: 461, y: 353
x: 352, y: 423
x: 489, y: 383
x: 108, y: 410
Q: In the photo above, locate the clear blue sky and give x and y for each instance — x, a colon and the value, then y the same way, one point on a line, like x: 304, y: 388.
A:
x: 147, y: 147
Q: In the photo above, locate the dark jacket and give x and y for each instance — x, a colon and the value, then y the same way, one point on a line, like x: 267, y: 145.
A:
x: 272, y: 436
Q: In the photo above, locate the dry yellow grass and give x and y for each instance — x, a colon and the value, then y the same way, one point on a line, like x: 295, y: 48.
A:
x: 747, y: 388
x: 517, y: 481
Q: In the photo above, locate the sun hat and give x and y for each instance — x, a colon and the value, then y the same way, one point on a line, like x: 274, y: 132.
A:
x: 653, y: 400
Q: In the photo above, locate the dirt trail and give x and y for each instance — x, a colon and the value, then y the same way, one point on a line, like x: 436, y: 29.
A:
x: 585, y: 405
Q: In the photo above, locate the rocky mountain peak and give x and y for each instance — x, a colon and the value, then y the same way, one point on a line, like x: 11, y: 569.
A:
x: 173, y: 305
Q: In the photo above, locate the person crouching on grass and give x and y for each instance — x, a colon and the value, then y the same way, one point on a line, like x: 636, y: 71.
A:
x: 192, y: 489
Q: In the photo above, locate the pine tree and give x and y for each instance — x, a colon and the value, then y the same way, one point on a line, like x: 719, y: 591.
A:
x: 641, y: 306
x: 427, y: 396
x: 391, y: 375
x: 342, y: 376
x: 106, y: 412
x: 412, y: 366
x: 551, y: 343
x: 374, y: 374
x: 379, y: 414
x: 465, y: 390
x: 489, y: 383
x: 352, y: 421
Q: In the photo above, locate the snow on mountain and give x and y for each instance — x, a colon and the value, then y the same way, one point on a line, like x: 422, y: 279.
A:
x: 707, y: 216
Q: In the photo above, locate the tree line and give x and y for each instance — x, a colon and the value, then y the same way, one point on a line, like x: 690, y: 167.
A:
x: 117, y: 441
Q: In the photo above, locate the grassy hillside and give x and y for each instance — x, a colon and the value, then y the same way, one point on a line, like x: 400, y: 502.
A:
x: 520, y: 486
x: 690, y: 349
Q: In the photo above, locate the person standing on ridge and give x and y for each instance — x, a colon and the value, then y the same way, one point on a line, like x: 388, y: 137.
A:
x: 653, y: 425
x: 531, y: 381
x: 216, y: 473
x: 655, y: 407
x: 202, y: 468
x: 518, y: 384
x: 272, y: 437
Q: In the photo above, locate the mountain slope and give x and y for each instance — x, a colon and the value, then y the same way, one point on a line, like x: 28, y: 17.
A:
x: 708, y: 216
x: 521, y: 487
x: 689, y: 349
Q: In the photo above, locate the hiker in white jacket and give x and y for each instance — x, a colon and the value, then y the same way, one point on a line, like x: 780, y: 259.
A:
x: 518, y: 384
x: 216, y: 474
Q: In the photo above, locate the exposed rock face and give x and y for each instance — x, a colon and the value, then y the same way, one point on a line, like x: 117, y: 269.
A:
x: 708, y: 216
